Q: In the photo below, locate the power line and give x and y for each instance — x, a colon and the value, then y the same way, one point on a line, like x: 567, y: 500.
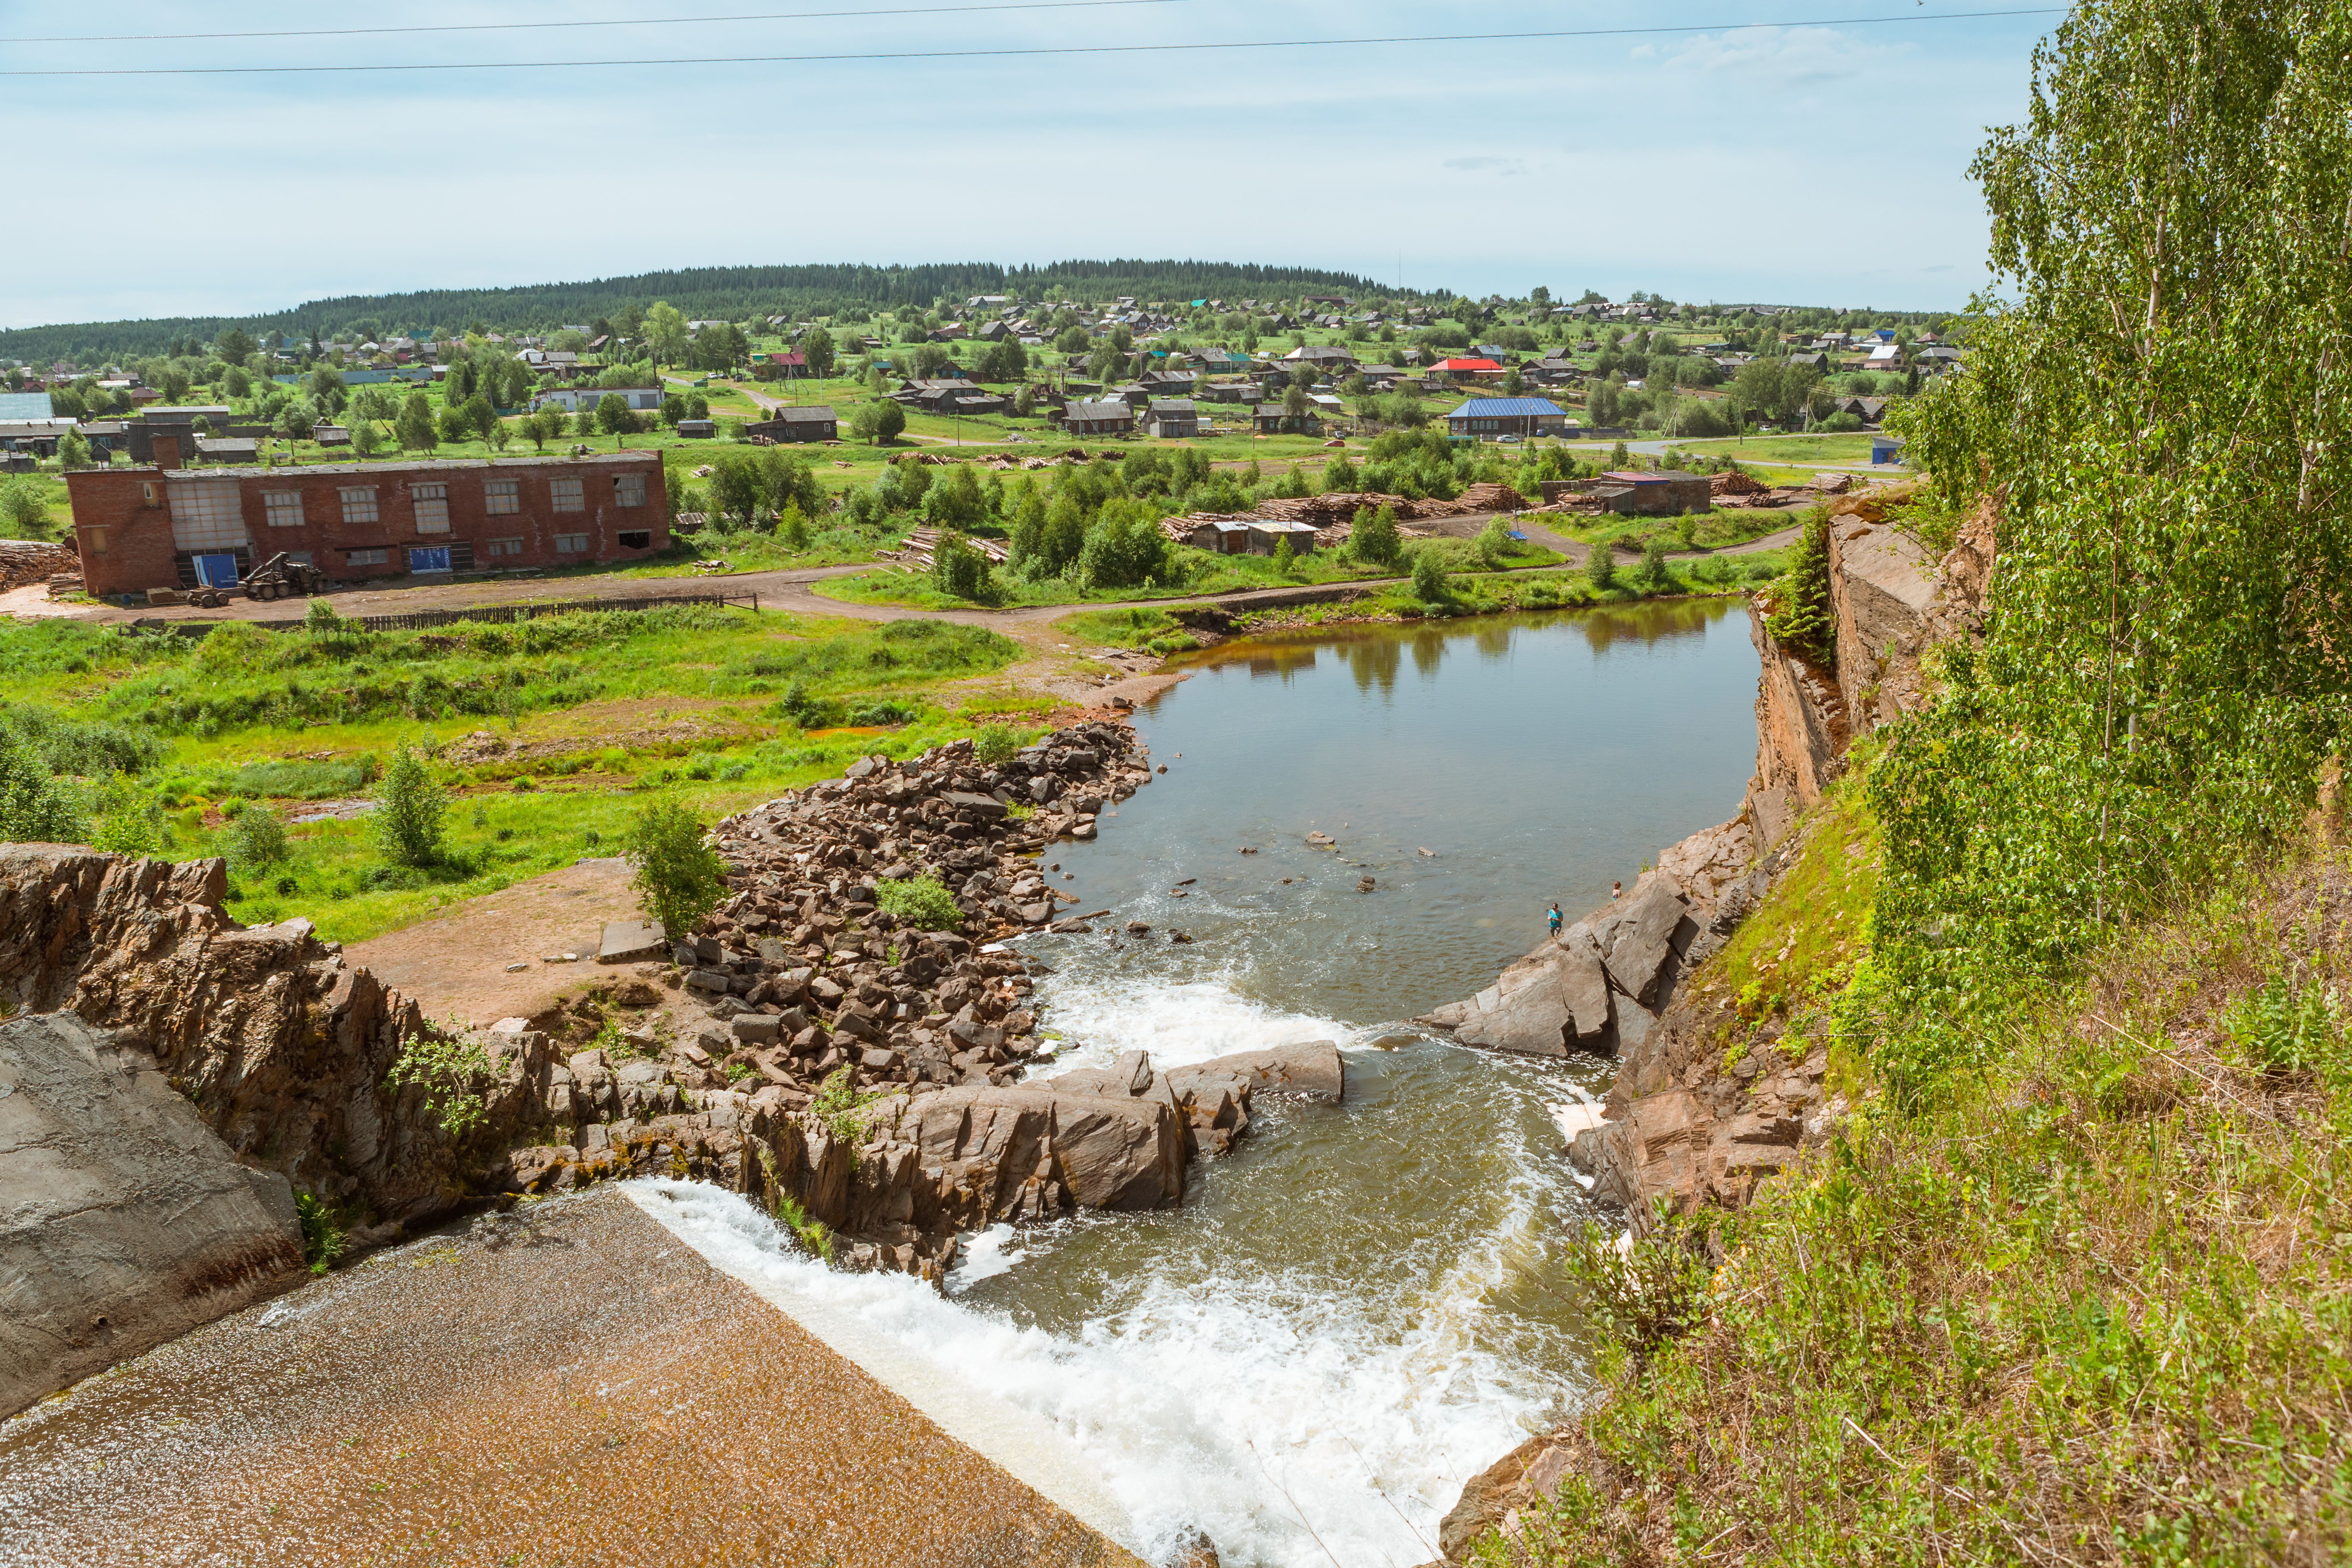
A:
x: 1062, y: 49
x: 612, y: 22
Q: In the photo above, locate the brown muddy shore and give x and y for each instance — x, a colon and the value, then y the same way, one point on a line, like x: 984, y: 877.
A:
x: 569, y: 1384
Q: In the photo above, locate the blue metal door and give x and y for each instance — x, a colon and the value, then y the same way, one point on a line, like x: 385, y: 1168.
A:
x: 436, y: 560
x: 217, y: 571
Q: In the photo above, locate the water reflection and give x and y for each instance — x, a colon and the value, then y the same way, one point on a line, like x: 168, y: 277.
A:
x: 1373, y: 653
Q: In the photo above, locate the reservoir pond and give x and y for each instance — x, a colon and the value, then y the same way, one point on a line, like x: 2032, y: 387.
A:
x: 1356, y: 1309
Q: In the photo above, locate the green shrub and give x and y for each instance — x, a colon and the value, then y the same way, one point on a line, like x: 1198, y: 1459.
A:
x: 923, y: 902
x: 958, y: 569
x: 1429, y: 583
x: 1494, y: 542
x: 257, y: 839
x: 1654, y: 572
x: 34, y: 807
x: 130, y: 821
x: 323, y: 1238
x: 1601, y: 567
x: 452, y: 1071
x: 1373, y: 538
x: 994, y: 744
x: 842, y: 1108
x: 680, y: 876
x: 1803, y: 620
x: 409, y: 808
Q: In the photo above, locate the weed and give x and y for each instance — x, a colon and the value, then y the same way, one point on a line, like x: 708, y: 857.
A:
x: 452, y: 1071
x: 322, y: 1237
x: 923, y: 902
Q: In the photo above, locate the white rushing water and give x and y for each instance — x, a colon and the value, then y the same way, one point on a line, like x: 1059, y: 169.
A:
x: 1294, y: 1417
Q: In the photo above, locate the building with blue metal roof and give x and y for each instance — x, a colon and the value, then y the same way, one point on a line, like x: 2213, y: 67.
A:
x: 26, y: 405
x: 1507, y: 417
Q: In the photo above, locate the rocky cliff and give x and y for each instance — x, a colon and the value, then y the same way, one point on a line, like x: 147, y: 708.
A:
x: 1706, y: 1102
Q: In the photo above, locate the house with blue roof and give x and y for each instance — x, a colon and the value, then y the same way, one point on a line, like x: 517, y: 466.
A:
x: 1492, y: 416
x: 16, y: 406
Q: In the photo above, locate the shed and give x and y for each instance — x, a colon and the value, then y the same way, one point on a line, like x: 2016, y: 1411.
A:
x: 1266, y: 536
x: 815, y: 422
x: 1664, y: 492
x: 1222, y: 536
x: 698, y: 429
x: 1885, y: 449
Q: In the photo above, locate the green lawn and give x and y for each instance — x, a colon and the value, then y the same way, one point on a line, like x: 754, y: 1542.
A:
x: 548, y: 735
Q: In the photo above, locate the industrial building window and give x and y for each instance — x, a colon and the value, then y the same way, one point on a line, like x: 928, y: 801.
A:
x: 572, y: 544
x: 359, y: 503
x: 628, y: 490
x: 432, y: 502
x: 283, y: 508
x: 637, y: 539
x: 501, y: 498
x: 498, y: 547
x: 367, y: 557
x: 206, y: 514
x: 93, y: 539
x: 564, y: 495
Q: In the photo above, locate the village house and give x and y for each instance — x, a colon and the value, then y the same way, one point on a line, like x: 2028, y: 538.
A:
x: 1111, y: 418
x: 161, y: 526
x: 1490, y: 417
x: 1467, y: 369
x: 1171, y: 418
x: 1273, y: 419
x: 814, y: 423
x: 572, y: 399
x: 1321, y: 356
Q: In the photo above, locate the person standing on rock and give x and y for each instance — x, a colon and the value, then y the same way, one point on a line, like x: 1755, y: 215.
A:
x: 1553, y: 916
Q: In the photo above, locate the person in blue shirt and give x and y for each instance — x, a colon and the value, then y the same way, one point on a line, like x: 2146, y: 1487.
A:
x: 1554, y: 918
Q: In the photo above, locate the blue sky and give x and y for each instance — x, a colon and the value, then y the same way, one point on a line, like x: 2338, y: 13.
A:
x: 1811, y: 164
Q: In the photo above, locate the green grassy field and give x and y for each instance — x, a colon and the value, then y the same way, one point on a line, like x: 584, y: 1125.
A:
x: 547, y: 735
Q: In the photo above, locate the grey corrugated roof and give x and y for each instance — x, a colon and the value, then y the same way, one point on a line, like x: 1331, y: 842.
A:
x: 423, y: 465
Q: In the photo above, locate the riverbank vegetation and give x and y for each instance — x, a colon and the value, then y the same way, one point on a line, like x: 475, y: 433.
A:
x: 2067, y: 1283
x: 541, y: 739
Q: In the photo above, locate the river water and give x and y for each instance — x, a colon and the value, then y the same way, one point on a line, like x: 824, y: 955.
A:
x: 1353, y: 1312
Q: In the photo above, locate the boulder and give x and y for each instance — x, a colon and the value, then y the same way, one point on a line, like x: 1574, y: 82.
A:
x: 125, y: 1221
x: 1107, y: 1152
x: 1641, y: 946
x: 1548, y: 1004
x: 633, y: 941
x: 1310, y: 1070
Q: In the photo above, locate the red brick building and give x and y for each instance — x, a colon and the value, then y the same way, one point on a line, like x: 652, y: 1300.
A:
x: 165, y: 526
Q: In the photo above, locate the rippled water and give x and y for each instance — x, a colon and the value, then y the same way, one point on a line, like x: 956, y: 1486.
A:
x: 1353, y: 1313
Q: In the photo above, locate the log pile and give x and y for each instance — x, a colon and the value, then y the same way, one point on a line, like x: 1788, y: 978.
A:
x: 24, y: 560
x: 923, y: 545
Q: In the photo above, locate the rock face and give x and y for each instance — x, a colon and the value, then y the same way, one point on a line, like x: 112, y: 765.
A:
x: 124, y: 1221
x: 1600, y: 984
x: 1800, y: 738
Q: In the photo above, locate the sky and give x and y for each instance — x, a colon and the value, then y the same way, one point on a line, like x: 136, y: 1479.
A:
x: 1782, y: 152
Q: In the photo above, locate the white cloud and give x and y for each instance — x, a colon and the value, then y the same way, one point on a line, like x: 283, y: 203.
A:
x: 1789, y: 57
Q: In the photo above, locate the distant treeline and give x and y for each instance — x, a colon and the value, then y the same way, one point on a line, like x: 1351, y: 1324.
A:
x: 728, y: 293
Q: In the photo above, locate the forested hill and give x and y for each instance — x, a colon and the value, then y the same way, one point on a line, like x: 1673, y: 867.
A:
x: 728, y: 293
